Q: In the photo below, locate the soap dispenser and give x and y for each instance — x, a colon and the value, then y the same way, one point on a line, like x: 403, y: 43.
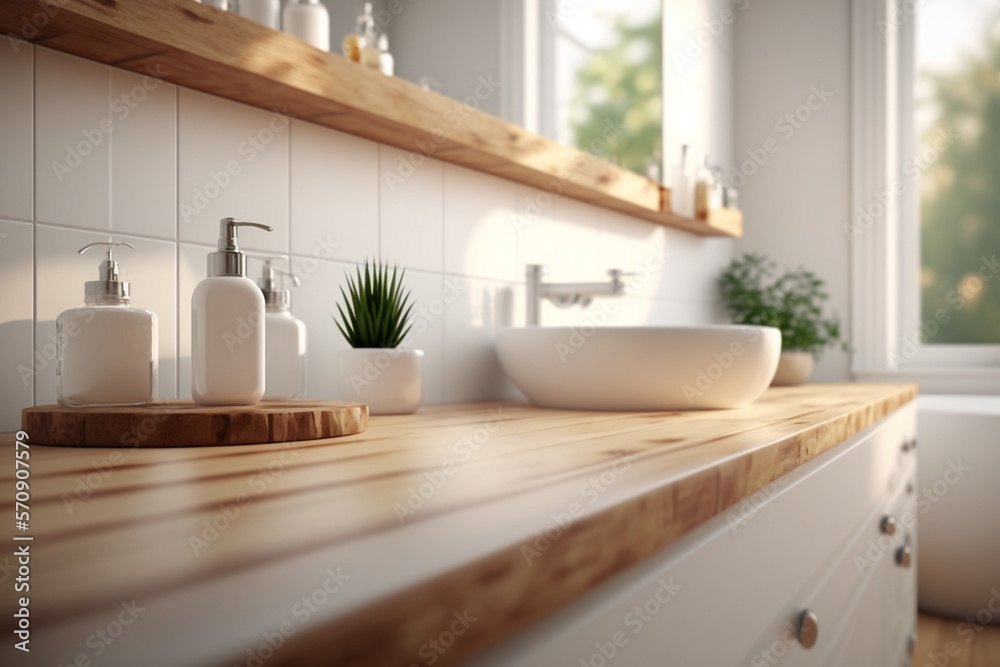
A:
x: 284, y: 336
x: 227, y: 327
x: 106, y: 350
x: 308, y: 20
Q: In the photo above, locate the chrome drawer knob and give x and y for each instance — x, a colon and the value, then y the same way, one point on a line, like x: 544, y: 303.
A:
x: 904, y: 555
x: 888, y: 525
x: 807, y: 629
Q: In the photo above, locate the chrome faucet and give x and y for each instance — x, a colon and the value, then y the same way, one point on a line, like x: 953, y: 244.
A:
x: 565, y: 294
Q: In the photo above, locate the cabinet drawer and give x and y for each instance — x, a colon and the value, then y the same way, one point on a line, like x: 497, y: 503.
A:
x: 730, y: 589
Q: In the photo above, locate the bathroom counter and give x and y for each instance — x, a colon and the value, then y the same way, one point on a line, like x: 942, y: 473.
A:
x: 420, y: 541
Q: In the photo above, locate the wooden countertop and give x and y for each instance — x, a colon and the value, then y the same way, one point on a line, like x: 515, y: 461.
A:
x: 362, y: 549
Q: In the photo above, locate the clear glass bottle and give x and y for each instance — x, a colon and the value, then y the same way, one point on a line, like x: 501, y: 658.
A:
x: 284, y: 337
x: 107, y: 350
x: 360, y: 45
x: 704, y: 184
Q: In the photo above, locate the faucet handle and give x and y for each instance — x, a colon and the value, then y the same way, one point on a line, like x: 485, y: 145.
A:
x: 535, y: 270
x: 617, y: 284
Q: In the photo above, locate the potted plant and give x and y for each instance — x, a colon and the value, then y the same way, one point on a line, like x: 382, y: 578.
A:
x: 792, y: 303
x: 375, y: 319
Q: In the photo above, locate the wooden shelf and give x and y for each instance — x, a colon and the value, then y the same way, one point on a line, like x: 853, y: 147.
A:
x: 218, y: 52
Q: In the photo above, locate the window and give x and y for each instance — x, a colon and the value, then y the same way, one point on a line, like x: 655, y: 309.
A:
x: 925, y: 195
x: 956, y: 110
x: 600, y: 78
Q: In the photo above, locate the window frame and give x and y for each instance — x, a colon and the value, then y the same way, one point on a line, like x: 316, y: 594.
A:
x: 885, y: 253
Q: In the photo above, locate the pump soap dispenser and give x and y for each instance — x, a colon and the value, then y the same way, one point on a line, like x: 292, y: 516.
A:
x: 106, y: 350
x: 227, y: 327
x: 284, y: 336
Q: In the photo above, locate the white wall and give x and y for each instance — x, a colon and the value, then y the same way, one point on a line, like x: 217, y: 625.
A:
x: 454, y: 42
x: 797, y: 202
x: 159, y: 180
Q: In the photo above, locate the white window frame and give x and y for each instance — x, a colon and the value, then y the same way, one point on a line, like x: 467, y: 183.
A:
x: 885, y: 254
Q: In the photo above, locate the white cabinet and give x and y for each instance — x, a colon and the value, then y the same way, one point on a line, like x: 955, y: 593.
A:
x: 732, y: 591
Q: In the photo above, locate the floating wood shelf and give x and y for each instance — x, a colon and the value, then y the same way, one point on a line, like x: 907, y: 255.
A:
x: 223, y: 54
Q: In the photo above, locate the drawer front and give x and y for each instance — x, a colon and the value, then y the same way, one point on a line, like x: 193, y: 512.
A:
x: 728, y: 592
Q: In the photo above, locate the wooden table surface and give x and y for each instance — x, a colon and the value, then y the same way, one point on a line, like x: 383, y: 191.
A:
x: 421, y: 541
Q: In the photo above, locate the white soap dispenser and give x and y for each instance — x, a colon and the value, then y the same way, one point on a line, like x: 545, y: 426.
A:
x: 106, y: 350
x: 284, y: 335
x: 227, y: 327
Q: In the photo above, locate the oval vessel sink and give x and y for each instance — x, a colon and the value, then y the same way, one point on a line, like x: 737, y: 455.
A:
x: 640, y: 368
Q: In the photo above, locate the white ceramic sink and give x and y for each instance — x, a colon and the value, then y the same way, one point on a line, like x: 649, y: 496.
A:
x: 654, y: 368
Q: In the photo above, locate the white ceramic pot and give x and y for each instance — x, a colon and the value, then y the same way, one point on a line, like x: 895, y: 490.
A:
x: 388, y: 380
x: 794, y: 368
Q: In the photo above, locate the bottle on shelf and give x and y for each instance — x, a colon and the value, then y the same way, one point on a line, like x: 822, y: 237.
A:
x: 681, y: 187
x: 309, y: 21
x: 386, y: 63
x: 106, y: 350
x: 703, y: 187
x: 360, y: 45
x: 264, y: 12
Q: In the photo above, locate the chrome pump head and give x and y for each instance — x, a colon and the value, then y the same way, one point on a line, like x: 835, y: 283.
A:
x: 110, y: 287
x: 229, y: 260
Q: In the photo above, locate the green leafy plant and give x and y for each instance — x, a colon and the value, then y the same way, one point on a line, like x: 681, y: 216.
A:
x: 377, y: 310
x: 792, y: 303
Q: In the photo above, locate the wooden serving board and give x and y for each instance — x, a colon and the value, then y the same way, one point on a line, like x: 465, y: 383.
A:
x: 185, y: 424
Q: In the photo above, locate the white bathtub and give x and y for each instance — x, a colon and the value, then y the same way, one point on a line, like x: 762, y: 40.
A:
x: 958, y: 505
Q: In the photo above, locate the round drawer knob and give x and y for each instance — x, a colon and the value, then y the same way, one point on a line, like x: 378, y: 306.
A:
x: 888, y: 525
x: 904, y: 555
x: 807, y: 629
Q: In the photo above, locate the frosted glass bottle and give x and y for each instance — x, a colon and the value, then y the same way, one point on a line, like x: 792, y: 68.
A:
x: 264, y: 12
x: 227, y: 327
x: 309, y: 21
x: 107, y: 350
x: 285, y: 337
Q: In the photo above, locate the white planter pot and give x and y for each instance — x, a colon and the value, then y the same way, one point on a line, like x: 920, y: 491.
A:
x: 388, y: 380
x: 794, y: 368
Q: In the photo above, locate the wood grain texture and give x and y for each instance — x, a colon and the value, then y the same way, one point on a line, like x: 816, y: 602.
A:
x: 955, y: 643
x: 500, y: 512
x: 227, y: 55
x: 184, y: 424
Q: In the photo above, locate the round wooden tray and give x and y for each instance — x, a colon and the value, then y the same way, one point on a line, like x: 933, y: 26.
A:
x: 184, y: 424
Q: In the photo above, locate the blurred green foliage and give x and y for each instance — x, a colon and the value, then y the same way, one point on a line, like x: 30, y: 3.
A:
x: 616, y: 110
x: 960, y: 200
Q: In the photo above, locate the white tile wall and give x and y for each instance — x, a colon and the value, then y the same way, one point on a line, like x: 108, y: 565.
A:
x: 334, y: 190
x: 463, y: 236
x: 411, y: 213
x: 232, y: 162
x: 143, y: 155
x: 72, y: 141
x: 17, y: 156
x: 16, y: 322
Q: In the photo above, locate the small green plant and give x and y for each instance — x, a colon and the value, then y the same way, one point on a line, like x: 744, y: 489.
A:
x: 378, y: 309
x: 793, y: 303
